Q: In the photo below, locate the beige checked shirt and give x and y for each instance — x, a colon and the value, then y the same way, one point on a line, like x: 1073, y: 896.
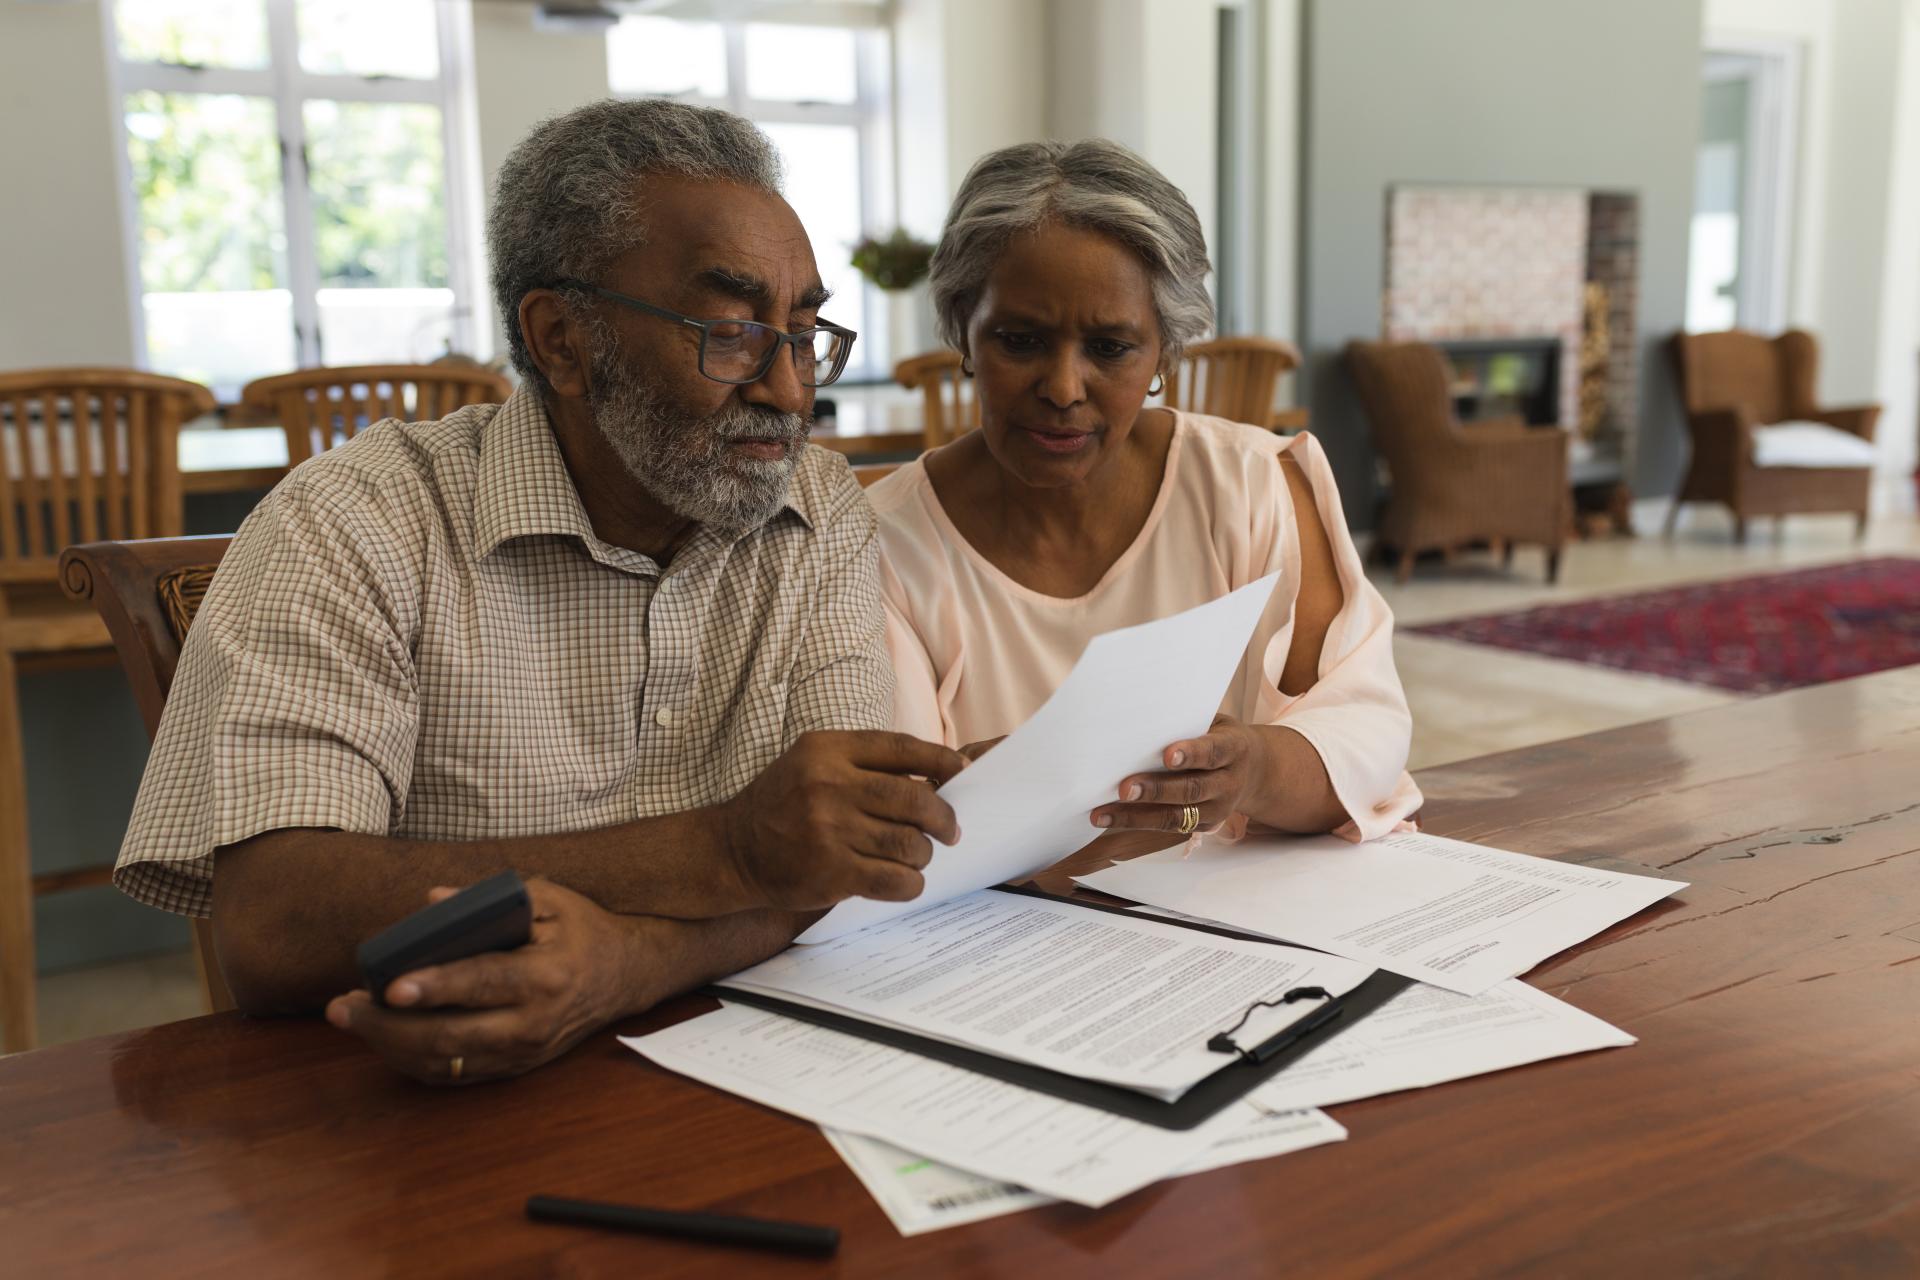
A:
x: 418, y: 634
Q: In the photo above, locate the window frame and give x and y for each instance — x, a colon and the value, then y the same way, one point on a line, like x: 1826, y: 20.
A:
x: 289, y: 86
x: 870, y: 118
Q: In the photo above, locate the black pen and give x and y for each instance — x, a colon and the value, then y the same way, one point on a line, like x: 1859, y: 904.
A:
x: 715, y: 1228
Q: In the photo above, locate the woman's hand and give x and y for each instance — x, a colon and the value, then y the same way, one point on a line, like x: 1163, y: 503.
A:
x: 1212, y: 774
x: 974, y: 750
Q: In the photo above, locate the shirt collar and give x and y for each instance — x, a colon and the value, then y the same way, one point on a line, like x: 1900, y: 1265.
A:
x: 524, y: 487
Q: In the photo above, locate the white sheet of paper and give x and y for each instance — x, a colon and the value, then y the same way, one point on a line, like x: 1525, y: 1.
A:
x: 959, y: 1117
x: 1024, y: 805
x: 1095, y: 994
x: 921, y: 1195
x: 1460, y: 916
x: 1427, y: 1035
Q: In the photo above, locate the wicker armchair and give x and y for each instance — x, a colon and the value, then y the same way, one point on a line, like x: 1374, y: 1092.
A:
x: 1499, y: 482
x: 1734, y: 384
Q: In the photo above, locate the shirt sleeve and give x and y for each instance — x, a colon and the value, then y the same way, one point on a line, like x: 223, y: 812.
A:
x: 842, y: 677
x: 294, y: 701
x: 1356, y: 714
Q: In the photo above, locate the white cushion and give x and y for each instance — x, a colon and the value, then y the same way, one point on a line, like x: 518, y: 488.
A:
x: 1809, y: 444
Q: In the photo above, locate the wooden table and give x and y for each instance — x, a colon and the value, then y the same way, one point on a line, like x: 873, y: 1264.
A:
x: 239, y: 459
x: 1768, y: 1122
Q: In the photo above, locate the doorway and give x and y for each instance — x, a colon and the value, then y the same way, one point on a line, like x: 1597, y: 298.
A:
x: 1737, y: 264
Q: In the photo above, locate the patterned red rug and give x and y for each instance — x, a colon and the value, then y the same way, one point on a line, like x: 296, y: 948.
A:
x: 1748, y: 635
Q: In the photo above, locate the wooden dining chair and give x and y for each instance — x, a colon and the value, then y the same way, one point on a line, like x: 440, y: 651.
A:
x: 147, y: 593
x: 871, y: 473
x: 1232, y: 378
x: 85, y: 453
x: 320, y: 408
x: 951, y: 409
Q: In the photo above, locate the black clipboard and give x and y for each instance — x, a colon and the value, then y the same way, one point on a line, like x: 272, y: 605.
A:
x: 1237, y: 1076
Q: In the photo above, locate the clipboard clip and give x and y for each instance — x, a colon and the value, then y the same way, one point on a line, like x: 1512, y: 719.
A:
x: 1223, y: 1042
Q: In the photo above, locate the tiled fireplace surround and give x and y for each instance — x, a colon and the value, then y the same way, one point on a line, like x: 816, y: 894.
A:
x: 1514, y: 262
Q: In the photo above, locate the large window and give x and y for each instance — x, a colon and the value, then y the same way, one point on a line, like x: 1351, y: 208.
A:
x: 293, y: 194
x: 820, y: 93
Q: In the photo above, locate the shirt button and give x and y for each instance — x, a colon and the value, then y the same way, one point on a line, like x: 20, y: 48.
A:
x: 665, y: 718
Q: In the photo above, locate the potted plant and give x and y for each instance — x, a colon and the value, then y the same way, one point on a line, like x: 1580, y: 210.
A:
x: 897, y: 264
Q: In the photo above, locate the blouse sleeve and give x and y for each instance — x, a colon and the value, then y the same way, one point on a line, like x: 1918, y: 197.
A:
x: 1355, y: 715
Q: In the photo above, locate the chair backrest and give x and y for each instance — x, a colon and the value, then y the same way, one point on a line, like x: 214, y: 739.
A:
x: 951, y: 408
x: 870, y: 473
x: 147, y: 593
x: 1232, y: 378
x: 87, y: 453
x: 1772, y: 379
x: 1404, y: 387
x: 319, y: 408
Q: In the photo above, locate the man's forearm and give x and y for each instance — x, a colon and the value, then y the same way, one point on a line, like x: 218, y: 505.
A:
x: 667, y: 958
x: 291, y: 906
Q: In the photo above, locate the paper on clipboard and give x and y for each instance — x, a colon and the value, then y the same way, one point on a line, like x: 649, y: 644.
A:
x: 1024, y: 805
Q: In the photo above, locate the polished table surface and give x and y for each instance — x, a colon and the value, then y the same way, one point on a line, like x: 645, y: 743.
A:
x: 1768, y: 1122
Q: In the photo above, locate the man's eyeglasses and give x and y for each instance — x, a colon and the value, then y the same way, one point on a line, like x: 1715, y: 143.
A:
x: 741, y: 351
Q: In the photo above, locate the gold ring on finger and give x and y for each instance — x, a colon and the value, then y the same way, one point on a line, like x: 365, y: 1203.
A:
x: 1189, y: 819
x: 456, y: 1067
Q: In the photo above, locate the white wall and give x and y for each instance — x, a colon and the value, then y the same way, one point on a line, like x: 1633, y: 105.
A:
x: 969, y: 77
x: 1144, y: 73
x: 522, y: 76
x: 63, y: 270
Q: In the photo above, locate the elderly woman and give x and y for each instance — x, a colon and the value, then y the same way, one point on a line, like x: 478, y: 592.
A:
x: 1070, y: 277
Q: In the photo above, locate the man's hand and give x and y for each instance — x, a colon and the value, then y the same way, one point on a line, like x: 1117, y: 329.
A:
x: 974, y: 750
x: 504, y: 1012
x: 842, y: 815
x: 1213, y: 773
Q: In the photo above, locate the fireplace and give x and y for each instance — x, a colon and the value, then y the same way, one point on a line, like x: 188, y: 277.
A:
x: 1505, y: 378
x: 1533, y: 294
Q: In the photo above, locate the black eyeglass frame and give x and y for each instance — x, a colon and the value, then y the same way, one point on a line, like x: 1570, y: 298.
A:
x: 780, y: 338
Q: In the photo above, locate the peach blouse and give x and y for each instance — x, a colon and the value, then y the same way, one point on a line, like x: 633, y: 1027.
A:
x: 975, y: 653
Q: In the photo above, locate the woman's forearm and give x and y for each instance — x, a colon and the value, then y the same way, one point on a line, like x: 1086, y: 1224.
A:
x: 1291, y: 791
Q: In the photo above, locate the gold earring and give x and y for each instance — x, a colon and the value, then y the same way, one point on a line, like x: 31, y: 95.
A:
x: 1158, y: 385
x: 966, y: 367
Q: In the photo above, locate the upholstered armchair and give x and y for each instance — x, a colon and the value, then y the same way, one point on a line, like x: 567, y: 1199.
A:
x: 1760, y: 443
x: 1497, y: 482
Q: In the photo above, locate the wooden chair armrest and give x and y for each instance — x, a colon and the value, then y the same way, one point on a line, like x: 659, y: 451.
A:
x: 1856, y: 420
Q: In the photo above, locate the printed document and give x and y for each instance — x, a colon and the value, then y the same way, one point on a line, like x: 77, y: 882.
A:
x: 962, y: 1118
x: 922, y: 1195
x: 1096, y: 994
x: 1428, y: 1035
x: 1457, y: 915
x: 1024, y: 805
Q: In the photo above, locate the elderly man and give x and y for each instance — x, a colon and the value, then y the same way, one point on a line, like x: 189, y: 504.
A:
x: 621, y: 633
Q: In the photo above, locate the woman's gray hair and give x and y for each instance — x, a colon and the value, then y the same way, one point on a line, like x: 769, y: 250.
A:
x: 1095, y: 184
x: 565, y: 204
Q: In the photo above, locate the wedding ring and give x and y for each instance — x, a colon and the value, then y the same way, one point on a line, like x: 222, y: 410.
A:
x: 1189, y: 819
x: 455, y: 1066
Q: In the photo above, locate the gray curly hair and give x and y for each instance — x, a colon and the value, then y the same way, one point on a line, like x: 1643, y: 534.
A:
x: 1095, y: 184
x: 564, y: 204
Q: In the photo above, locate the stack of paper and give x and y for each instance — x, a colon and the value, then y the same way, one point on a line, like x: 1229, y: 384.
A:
x: 996, y: 1130
x: 924, y: 1195
x: 1100, y: 995
x: 1133, y: 1001
x: 1460, y: 916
